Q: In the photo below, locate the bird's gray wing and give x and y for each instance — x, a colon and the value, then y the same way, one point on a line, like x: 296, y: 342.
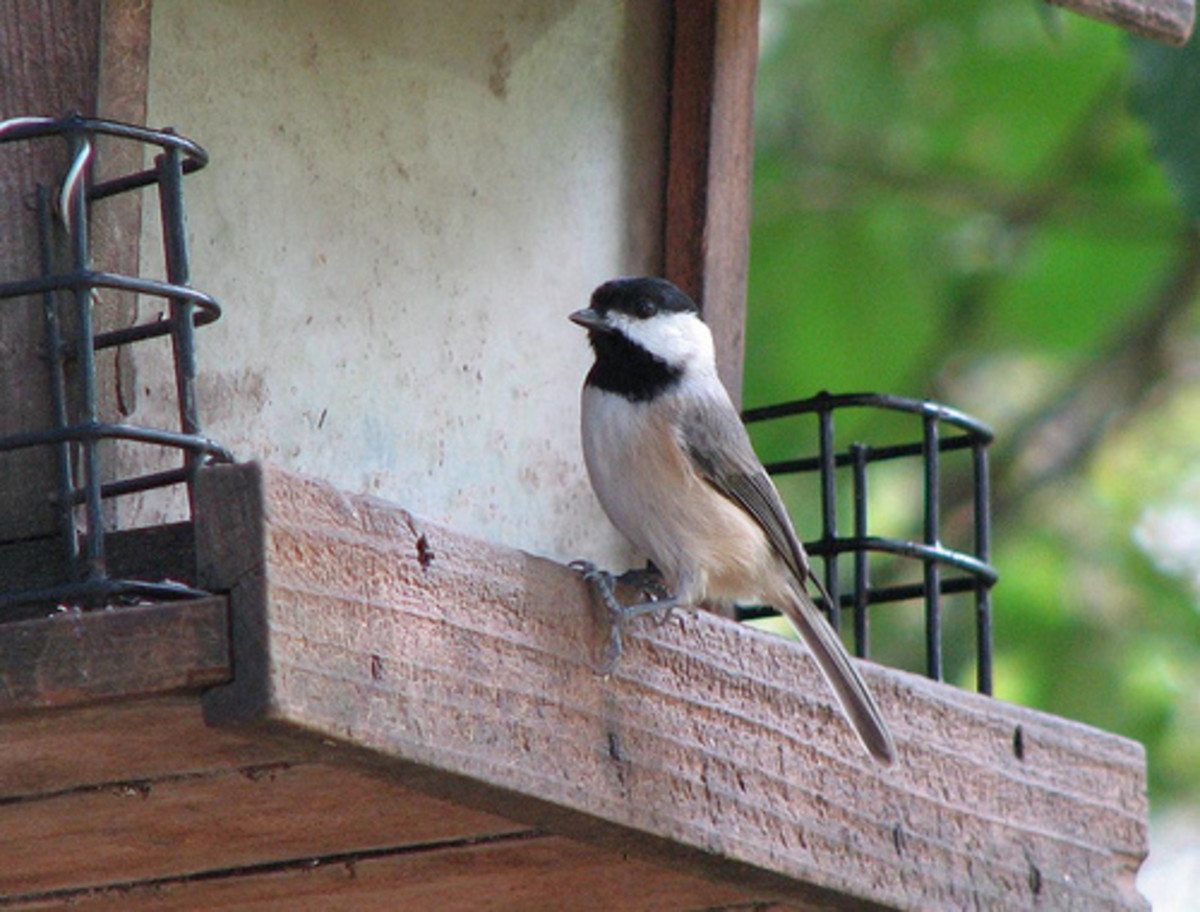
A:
x: 718, y: 446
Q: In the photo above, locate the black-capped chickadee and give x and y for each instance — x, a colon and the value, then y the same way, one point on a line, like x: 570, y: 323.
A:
x: 673, y: 468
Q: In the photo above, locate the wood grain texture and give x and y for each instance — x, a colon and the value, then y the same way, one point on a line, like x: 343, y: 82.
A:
x: 1168, y: 21
x: 56, y: 57
x: 117, y: 222
x: 49, y: 52
x: 148, y: 553
x: 714, y: 747
x: 710, y: 156
x: 74, y: 658
x: 143, y: 790
x: 162, y: 737
x: 140, y: 804
x: 526, y: 873
x: 215, y: 820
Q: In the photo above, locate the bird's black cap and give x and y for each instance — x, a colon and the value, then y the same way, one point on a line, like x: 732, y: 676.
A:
x: 641, y: 297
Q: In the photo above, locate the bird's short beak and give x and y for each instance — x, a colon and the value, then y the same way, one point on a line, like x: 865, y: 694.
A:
x: 591, y: 320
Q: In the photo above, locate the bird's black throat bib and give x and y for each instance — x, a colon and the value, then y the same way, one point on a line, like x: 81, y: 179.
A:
x: 628, y: 370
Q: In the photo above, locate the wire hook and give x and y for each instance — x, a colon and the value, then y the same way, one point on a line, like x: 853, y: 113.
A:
x: 71, y: 181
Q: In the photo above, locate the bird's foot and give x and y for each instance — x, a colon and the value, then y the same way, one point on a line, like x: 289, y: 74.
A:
x: 603, y: 588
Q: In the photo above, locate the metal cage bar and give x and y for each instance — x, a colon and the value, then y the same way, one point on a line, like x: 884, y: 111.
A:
x: 862, y: 579
x: 933, y: 571
x: 944, y: 571
x: 829, y: 516
x: 58, y: 391
x: 74, y: 429
x: 983, y: 589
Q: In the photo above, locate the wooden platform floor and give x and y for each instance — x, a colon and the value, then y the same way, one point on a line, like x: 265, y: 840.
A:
x: 134, y: 802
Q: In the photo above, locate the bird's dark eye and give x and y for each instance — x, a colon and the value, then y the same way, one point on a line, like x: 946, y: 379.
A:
x: 644, y: 308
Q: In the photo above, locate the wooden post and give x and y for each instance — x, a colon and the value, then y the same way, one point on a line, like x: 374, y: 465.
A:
x: 59, y: 56
x: 710, y: 156
x: 49, y: 54
x: 121, y: 90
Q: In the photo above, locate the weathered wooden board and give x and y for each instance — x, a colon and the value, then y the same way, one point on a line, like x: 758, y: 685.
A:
x: 207, y: 820
x: 531, y: 873
x: 710, y: 154
x: 136, y: 740
x: 140, y: 804
x: 714, y: 747
x: 149, y: 553
x: 1168, y: 21
x: 124, y: 793
x: 70, y: 658
x: 49, y: 50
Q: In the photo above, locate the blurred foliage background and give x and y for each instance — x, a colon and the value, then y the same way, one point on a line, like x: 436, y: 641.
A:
x: 993, y: 205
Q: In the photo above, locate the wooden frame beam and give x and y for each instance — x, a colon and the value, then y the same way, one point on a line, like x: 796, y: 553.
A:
x: 466, y: 670
x: 139, y: 805
x: 71, y: 658
x: 58, y: 56
x: 49, y: 51
x: 709, y: 162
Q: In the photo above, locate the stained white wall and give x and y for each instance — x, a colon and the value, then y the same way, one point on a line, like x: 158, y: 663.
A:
x: 405, y: 200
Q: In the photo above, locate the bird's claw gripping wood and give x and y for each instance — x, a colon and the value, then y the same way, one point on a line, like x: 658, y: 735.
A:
x: 602, y: 587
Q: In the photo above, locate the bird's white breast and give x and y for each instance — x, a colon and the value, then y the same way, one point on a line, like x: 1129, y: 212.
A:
x: 709, y: 548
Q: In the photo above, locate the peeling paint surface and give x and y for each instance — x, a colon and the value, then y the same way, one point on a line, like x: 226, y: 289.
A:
x: 405, y: 201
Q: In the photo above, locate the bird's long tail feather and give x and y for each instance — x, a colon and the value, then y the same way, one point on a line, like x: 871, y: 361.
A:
x: 835, y: 664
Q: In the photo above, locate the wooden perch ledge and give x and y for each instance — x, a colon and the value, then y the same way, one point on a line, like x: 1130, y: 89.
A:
x: 414, y: 687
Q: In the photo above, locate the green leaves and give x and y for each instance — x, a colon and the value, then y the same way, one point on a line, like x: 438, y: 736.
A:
x: 952, y: 201
x: 939, y: 177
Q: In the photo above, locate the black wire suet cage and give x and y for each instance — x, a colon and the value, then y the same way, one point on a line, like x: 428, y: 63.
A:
x: 67, y: 285
x: 936, y: 430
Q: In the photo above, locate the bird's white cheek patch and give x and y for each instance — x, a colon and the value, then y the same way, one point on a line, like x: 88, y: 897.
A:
x: 676, y: 338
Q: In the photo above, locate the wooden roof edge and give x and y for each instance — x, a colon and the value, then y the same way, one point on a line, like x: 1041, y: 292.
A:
x: 1168, y: 21
x: 467, y: 669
